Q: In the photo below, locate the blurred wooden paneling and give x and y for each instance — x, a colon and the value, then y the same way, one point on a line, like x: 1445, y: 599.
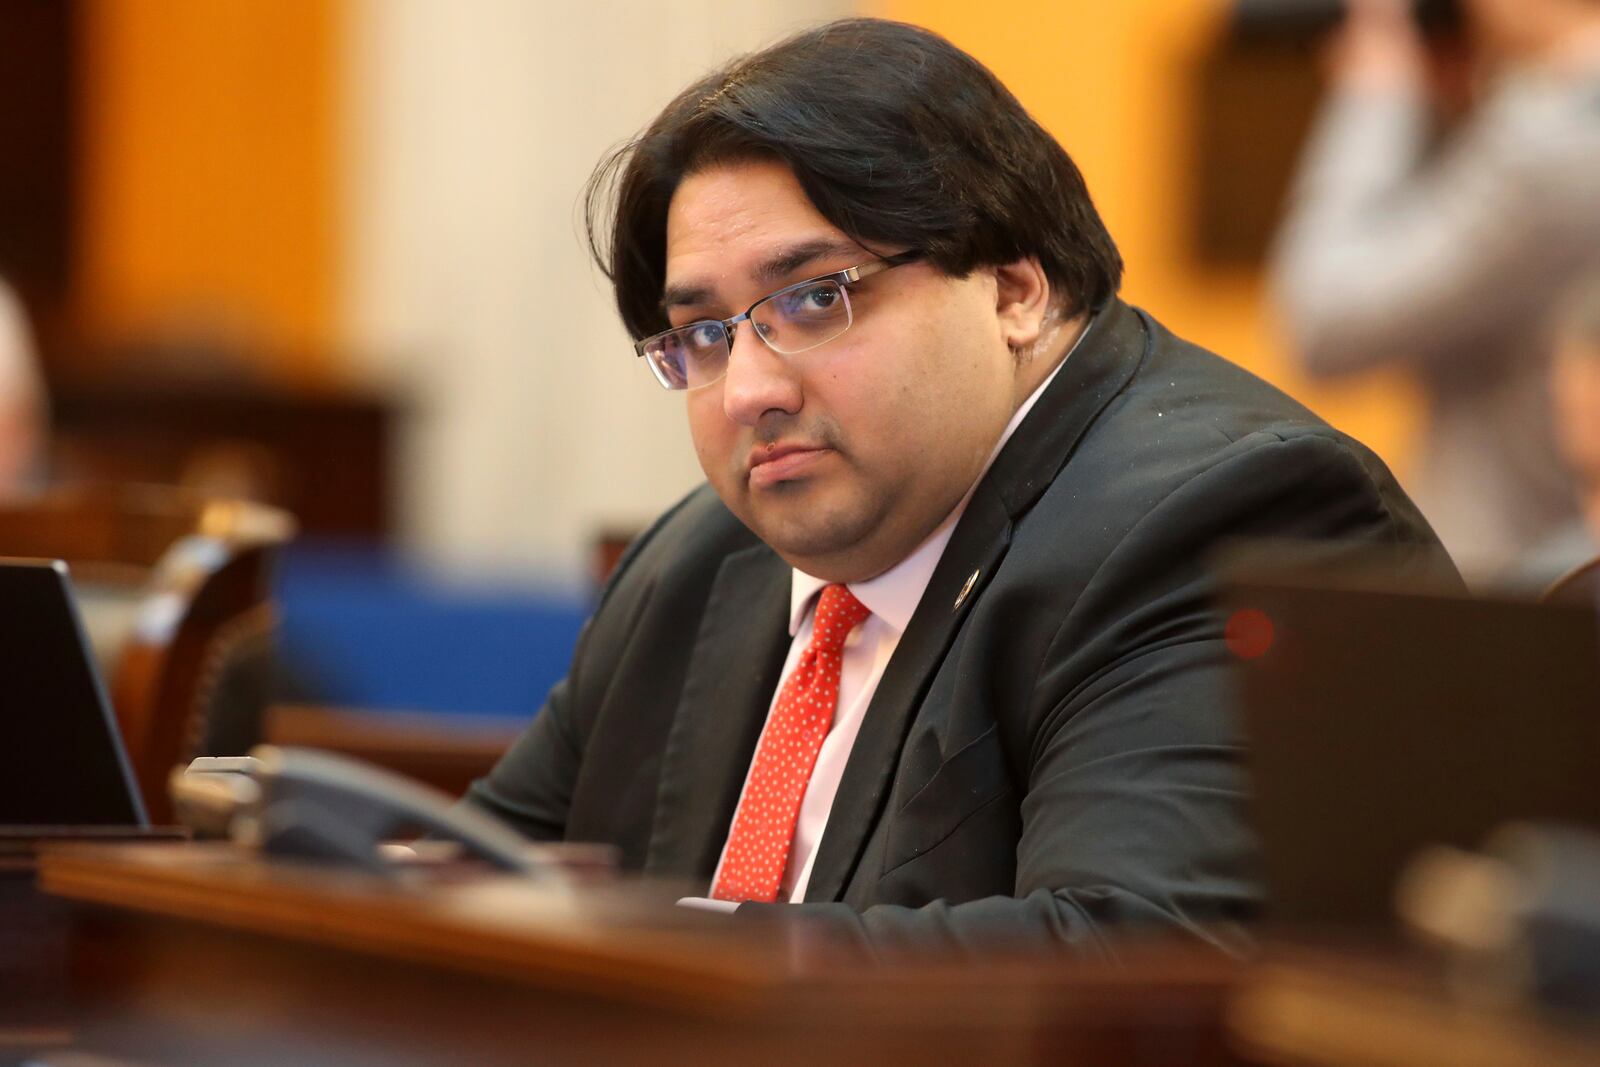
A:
x: 1257, y: 96
x: 39, y: 178
x: 323, y: 455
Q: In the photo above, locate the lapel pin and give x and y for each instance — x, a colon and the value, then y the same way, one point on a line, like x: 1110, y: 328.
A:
x: 961, y: 597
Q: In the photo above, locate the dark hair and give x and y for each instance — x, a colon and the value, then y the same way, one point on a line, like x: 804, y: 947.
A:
x: 898, y: 137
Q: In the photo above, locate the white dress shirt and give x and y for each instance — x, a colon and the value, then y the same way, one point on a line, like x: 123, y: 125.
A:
x: 892, y: 598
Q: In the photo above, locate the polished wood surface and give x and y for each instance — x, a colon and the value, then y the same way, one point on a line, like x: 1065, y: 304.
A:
x: 183, y: 953
x: 1338, y: 1012
x: 484, y: 924
x: 207, y: 954
x: 36, y: 932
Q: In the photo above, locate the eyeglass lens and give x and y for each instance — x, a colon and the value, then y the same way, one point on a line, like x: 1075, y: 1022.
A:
x: 789, y: 321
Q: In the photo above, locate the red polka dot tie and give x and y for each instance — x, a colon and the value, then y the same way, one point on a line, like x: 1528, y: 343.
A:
x: 763, y: 827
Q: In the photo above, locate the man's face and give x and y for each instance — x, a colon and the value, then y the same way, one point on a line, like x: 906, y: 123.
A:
x: 843, y: 458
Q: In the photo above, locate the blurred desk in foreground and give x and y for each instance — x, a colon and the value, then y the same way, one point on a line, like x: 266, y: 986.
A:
x: 1344, y: 1012
x: 203, y: 954
x: 36, y: 932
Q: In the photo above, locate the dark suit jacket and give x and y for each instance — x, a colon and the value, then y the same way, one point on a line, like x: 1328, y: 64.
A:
x: 1053, y: 757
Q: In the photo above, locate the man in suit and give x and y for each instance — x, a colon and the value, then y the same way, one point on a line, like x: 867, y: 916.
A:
x: 931, y: 658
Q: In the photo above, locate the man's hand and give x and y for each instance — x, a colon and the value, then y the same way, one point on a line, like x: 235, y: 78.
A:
x: 1378, y: 48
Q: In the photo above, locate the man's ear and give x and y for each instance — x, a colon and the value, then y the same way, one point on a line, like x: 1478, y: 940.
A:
x: 1022, y: 301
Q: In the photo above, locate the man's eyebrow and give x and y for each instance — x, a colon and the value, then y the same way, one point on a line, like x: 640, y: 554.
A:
x: 785, y: 263
x: 684, y: 296
x: 769, y: 272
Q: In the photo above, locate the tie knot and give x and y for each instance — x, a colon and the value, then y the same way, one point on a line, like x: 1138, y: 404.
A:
x: 838, y: 612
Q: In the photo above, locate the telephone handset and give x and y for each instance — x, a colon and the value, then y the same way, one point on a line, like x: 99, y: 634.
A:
x: 316, y: 805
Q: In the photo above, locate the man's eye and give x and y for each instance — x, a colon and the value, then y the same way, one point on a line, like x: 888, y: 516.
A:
x: 816, y: 300
x: 703, y: 335
x: 821, y: 298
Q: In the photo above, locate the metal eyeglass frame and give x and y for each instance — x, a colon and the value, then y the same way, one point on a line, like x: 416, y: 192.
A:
x: 843, y: 278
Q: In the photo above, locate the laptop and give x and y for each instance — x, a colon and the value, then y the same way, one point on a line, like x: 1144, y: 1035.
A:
x: 1381, y: 721
x: 62, y: 761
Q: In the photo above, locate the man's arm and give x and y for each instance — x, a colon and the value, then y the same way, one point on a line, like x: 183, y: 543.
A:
x: 1370, y: 274
x: 1383, y: 260
x: 1133, y: 815
x: 531, y: 786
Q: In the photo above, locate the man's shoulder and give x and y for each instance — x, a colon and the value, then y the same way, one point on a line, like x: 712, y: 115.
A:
x: 1187, y: 418
x: 1186, y: 397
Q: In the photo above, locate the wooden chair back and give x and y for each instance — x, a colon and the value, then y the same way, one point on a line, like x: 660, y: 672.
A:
x: 1580, y: 583
x: 197, y: 571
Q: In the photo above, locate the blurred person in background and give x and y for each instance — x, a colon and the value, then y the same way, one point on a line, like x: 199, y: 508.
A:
x: 22, y: 406
x: 1575, y: 407
x: 1447, y: 261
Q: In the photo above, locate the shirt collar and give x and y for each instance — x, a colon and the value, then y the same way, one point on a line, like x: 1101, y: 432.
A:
x: 893, y: 595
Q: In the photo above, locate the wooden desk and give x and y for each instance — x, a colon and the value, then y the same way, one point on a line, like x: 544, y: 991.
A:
x: 36, y: 932
x: 1339, y: 1011
x: 200, y: 954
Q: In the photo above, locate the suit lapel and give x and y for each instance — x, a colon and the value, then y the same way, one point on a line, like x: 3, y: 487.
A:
x: 734, y: 664
x: 1105, y: 360
x: 977, y: 546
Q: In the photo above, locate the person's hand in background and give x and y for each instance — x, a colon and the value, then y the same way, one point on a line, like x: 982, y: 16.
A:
x: 1378, y: 48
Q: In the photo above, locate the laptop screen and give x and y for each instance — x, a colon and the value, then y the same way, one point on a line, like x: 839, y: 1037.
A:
x: 1380, y: 722
x: 62, y: 761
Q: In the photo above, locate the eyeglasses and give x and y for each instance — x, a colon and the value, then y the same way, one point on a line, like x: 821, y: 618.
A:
x: 796, y: 318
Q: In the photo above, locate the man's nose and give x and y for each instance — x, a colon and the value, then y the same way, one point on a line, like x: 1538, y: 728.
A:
x: 758, y: 380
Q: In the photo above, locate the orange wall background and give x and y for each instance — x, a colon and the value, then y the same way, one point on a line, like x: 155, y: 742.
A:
x: 1112, y: 83
x: 209, y: 174
x: 211, y: 171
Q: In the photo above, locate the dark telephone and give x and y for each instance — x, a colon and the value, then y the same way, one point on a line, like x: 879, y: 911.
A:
x: 314, y: 805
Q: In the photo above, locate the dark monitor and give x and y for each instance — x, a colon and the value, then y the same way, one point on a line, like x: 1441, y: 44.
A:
x: 62, y: 761
x: 1379, y: 722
